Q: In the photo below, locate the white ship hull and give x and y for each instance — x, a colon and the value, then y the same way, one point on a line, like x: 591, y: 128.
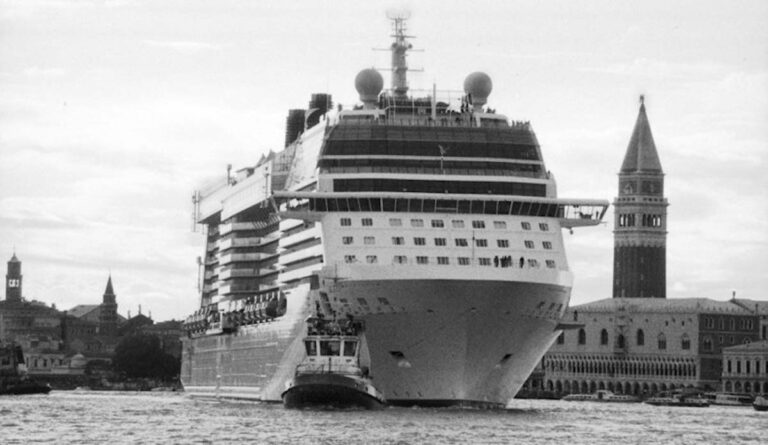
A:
x: 437, y: 342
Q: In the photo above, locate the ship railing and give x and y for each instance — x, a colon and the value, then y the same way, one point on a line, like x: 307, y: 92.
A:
x: 459, y: 120
x: 325, y: 368
x: 435, y: 171
x: 570, y: 212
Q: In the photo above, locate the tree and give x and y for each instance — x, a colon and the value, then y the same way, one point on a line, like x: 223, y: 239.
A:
x: 140, y: 356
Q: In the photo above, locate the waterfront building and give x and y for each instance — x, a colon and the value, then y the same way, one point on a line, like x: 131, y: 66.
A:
x: 642, y: 346
x: 639, y: 342
x: 745, y: 368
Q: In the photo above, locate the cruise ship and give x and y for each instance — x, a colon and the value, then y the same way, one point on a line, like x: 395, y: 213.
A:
x: 432, y: 220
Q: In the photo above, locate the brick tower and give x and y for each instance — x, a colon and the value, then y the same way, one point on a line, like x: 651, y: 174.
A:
x: 13, y: 281
x: 108, y: 311
x: 640, y: 224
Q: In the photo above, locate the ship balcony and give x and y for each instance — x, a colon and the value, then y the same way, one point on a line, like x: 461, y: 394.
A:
x: 299, y: 273
x: 292, y: 257
x: 242, y: 273
x: 230, y: 289
x: 300, y: 237
x: 236, y: 227
x: 288, y: 224
x: 241, y: 257
x: 229, y: 243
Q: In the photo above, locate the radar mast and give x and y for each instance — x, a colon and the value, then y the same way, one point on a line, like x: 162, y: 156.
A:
x: 399, y: 47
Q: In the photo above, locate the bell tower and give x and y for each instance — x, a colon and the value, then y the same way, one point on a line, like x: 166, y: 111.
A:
x: 108, y: 311
x: 13, y: 281
x: 640, y: 221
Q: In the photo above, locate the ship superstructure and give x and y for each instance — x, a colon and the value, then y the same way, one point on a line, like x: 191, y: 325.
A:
x: 435, y: 223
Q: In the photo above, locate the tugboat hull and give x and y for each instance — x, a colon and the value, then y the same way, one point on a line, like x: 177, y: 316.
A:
x: 333, y: 390
x: 25, y: 388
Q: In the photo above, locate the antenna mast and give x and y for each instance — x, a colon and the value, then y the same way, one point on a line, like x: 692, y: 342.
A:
x: 399, y: 47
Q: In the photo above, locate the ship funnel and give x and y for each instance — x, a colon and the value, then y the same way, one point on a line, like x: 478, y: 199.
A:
x: 477, y: 87
x: 369, y: 84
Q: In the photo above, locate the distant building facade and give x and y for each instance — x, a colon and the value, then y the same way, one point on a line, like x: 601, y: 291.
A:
x: 643, y: 346
x: 745, y: 368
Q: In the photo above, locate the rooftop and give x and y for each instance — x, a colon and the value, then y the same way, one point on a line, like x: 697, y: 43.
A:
x: 663, y: 305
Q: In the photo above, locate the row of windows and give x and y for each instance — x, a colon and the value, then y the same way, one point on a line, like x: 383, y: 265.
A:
x: 458, y: 206
x: 439, y: 223
x: 629, y: 220
x: 444, y: 261
x: 441, y: 242
x: 661, y: 339
x: 416, y: 186
x: 744, y: 323
x: 463, y: 149
x: 747, y: 367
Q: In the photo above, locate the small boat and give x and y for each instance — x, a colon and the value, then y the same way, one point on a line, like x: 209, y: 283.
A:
x: 728, y: 399
x: 760, y: 403
x: 602, y: 396
x: 332, y: 373
x: 678, y: 399
x: 13, y: 373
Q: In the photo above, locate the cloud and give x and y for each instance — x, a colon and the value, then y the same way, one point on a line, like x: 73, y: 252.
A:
x: 183, y: 46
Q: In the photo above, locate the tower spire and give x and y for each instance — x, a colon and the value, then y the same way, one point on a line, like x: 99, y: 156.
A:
x: 640, y: 224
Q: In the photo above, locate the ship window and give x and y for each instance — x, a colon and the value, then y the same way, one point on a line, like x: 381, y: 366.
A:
x: 371, y: 259
x: 529, y: 244
x: 547, y: 245
x: 346, y: 221
x: 463, y: 261
x: 544, y: 227
x: 347, y: 240
x: 367, y: 222
x: 400, y: 259
x: 550, y: 264
x: 437, y: 223
x: 442, y: 260
x: 502, y: 243
x: 349, y: 259
x: 349, y: 348
x: 362, y: 301
x: 525, y: 225
x: 419, y: 241
x: 330, y: 347
x: 398, y: 240
x: 369, y: 240
x: 533, y: 263
x: 499, y: 225
x: 484, y: 261
x: 440, y: 241
x: 481, y: 242
x: 478, y: 224
x: 311, y: 347
x: 457, y: 224
x: 461, y: 242
x: 417, y: 223
x: 395, y: 222
x: 422, y: 260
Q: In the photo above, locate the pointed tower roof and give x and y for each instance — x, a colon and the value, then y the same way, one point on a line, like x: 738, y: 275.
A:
x: 14, y: 259
x: 641, y: 153
x: 109, y: 290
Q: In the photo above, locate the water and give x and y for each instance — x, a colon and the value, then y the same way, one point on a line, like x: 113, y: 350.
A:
x: 112, y: 417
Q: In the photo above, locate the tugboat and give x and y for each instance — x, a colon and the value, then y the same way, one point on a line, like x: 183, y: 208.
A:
x: 13, y: 373
x: 333, y: 373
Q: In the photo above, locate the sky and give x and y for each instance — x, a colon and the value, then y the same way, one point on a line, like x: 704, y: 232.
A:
x: 112, y: 112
